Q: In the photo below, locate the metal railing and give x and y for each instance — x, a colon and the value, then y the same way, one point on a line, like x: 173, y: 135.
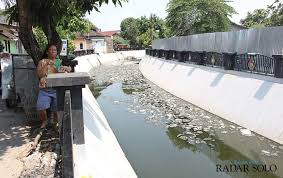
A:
x: 84, y: 52
x: 255, y: 63
x: 213, y: 59
x: 252, y: 63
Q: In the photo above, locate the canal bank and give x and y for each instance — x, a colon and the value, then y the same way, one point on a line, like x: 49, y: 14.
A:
x: 165, y: 136
x: 250, y: 100
x: 101, y: 155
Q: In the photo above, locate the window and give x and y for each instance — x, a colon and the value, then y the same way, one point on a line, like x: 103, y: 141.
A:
x: 6, y: 45
x: 81, y: 46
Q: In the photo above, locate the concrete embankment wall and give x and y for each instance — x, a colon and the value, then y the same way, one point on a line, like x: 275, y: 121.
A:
x: 87, y: 62
x: 249, y: 100
x: 102, y: 155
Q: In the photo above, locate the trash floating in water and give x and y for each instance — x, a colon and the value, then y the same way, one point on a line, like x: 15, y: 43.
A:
x: 198, y: 142
x: 273, y: 146
x: 246, y: 132
x: 199, y: 132
x: 233, y: 127
x: 268, y: 153
x: 185, y: 138
x: 264, y: 152
x: 178, y: 120
x: 191, y: 141
x: 207, y: 117
x: 224, y: 132
x: 197, y: 128
x: 207, y: 139
x: 206, y: 129
x: 172, y: 125
x: 274, y: 154
x: 203, y: 142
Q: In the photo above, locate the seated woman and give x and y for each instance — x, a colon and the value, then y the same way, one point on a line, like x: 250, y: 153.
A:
x: 47, y: 96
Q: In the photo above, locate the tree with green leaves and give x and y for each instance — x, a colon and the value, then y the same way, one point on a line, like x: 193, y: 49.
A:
x: 130, y: 30
x: 119, y: 40
x: 186, y: 17
x: 49, y: 15
x: 271, y: 16
x: 142, y: 31
x: 256, y: 19
x: 276, y: 13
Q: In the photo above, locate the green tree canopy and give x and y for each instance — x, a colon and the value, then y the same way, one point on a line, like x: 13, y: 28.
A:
x: 271, y: 16
x: 119, y: 40
x: 141, y: 31
x: 130, y: 30
x: 49, y: 15
x: 75, y: 26
x: 258, y: 18
x: 187, y: 17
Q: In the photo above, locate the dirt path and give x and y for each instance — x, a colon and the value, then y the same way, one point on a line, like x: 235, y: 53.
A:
x: 13, y: 140
x: 16, y: 134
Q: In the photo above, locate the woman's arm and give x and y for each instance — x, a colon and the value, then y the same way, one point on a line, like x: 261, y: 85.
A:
x: 42, y: 69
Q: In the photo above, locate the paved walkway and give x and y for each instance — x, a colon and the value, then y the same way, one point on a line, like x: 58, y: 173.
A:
x: 13, y: 140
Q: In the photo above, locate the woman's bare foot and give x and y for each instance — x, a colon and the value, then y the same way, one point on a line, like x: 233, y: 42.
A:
x: 44, y: 124
x: 43, y: 118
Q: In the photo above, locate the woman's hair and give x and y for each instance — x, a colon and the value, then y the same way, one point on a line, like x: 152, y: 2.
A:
x: 45, y: 56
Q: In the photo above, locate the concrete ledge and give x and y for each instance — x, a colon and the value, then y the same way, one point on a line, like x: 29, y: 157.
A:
x: 101, y: 156
x: 249, y: 100
x: 67, y: 79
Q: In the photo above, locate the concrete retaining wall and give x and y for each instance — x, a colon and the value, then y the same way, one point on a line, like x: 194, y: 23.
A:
x: 249, y: 100
x: 102, y: 155
x: 87, y: 62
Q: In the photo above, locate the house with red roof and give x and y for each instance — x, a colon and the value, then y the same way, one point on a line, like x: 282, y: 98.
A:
x: 100, y: 42
x: 111, y: 33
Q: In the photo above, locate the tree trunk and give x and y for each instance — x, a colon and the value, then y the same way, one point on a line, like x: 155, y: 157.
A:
x: 26, y: 34
x: 25, y: 31
x: 49, y: 29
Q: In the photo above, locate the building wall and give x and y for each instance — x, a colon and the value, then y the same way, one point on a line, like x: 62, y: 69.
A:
x: 89, y: 44
x: 109, y: 43
x: 13, y: 45
x: 77, y: 43
x: 99, y: 44
x: 236, y: 27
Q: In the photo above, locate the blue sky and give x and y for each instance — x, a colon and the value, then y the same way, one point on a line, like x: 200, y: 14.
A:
x: 110, y: 16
